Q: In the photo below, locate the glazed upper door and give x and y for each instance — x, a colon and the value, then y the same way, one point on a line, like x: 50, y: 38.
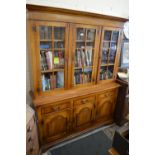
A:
x: 109, y: 53
x: 84, y: 49
x: 52, y: 48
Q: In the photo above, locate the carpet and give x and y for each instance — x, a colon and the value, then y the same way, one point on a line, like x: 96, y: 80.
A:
x: 94, y: 144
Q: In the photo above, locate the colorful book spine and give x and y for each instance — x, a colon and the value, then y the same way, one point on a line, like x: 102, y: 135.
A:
x: 49, y: 59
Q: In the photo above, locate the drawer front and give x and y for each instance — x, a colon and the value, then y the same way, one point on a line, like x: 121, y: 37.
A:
x: 84, y: 100
x: 108, y: 93
x: 56, y: 107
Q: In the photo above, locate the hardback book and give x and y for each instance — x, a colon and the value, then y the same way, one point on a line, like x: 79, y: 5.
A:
x: 89, y: 50
x: 79, y: 58
x: 83, y: 57
x: 49, y: 59
x: 43, y: 61
x: 60, y: 79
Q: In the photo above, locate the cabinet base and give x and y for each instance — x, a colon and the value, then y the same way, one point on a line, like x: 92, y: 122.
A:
x: 45, y: 147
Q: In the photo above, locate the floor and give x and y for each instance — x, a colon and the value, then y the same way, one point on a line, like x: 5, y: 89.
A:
x: 108, y: 130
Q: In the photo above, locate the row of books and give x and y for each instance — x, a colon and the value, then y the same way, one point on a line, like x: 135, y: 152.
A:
x: 80, y: 78
x: 53, y: 81
x: 47, y: 59
x: 83, y: 57
x: 106, y: 74
x: 45, y: 32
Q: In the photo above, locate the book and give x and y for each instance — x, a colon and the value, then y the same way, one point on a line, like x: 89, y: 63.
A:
x: 43, y: 61
x: 49, y: 59
x: 60, y: 79
x: 83, y: 57
x: 43, y: 83
x: 79, y: 61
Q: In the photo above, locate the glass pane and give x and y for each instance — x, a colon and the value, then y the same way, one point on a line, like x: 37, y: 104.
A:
x: 80, y: 45
x: 115, y: 35
x: 110, y: 72
x: 59, y: 33
x: 59, y: 79
x: 46, y: 85
x: 87, y: 76
x: 91, y: 34
x: 45, y: 45
x: 46, y: 60
x: 106, y: 46
x: 104, y: 57
x: 58, y: 59
x: 89, y: 54
x: 80, y: 34
x: 78, y: 58
x: 107, y: 35
x: 45, y: 32
x: 59, y: 44
x: 112, y: 52
x: 78, y: 76
x: 103, y: 74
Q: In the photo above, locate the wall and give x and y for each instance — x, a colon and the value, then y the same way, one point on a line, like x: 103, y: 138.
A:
x: 117, y: 8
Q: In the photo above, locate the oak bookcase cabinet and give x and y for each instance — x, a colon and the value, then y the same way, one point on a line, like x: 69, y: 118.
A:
x: 74, y: 58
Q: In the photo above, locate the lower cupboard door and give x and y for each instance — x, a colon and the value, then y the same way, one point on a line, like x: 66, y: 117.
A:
x: 56, y: 125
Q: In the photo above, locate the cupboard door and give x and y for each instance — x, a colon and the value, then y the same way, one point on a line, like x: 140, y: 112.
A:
x: 56, y: 125
x: 51, y: 52
x: 105, y: 105
x: 83, y: 112
x: 84, y: 54
x: 109, y: 51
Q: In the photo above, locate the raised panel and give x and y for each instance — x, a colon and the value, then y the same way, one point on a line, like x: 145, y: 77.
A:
x: 83, y: 112
x: 56, y: 125
x: 105, y: 105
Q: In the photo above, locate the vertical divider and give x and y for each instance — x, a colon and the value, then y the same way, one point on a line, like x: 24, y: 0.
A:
x: 52, y: 38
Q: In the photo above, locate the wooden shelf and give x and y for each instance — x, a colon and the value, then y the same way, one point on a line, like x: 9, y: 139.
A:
x: 46, y: 49
x: 57, y: 49
x: 58, y: 40
x: 83, y: 48
x: 110, y: 64
x: 45, y: 40
x: 78, y: 67
x: 52, y: 70
x: 50, y: 40
x: 84, y: 41
x: 88, y: 66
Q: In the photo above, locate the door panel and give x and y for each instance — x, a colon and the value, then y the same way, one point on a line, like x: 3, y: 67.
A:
x: 83, y: 112
x: 51, y: 53
x: 56, y: 125
x: 105, y: 105
x: 84, y: 54
x: 109, y: 48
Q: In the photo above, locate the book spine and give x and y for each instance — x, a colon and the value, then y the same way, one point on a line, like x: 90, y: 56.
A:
x: 48, y: 60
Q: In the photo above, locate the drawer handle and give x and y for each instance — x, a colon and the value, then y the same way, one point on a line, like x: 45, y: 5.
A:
x: 84, y: 101
x: 56, y: 108
x: 29, y: 129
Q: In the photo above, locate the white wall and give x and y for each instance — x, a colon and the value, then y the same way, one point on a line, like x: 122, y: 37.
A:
x: 119, y: 8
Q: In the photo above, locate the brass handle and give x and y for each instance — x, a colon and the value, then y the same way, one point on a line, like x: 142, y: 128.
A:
x: 56, y: 108
x: 84, y: 101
